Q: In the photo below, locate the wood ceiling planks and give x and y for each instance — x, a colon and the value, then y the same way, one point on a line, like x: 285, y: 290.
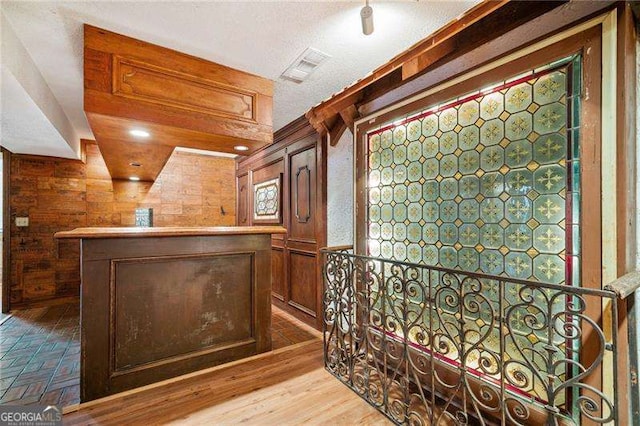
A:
x: 179, y: 99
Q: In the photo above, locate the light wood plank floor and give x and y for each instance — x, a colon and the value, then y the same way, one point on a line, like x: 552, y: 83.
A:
x: 288, y: 386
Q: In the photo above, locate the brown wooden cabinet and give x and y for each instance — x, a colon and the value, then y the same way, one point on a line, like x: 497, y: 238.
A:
x: 296, y: 158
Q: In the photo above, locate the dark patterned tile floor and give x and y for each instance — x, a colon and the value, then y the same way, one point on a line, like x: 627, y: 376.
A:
x: 287, y: 330
x: 40, y: 353
x: 40, y: 356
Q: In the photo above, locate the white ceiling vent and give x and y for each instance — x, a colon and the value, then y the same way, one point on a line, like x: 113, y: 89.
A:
x: 304, y: 65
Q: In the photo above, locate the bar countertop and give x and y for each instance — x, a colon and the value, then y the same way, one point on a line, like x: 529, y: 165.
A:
x: 169, y: 231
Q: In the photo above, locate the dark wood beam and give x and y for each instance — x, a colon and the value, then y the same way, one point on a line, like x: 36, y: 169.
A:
x: 337, y: 131
x: 463, y: 38
x: 316, y: 122
x: 349, y: 115
x: 487, y: 20
x: 635, y: 7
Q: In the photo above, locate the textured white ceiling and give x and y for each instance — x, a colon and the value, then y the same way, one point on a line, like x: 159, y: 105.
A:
x: 261, y: 37
x: 24, y: 127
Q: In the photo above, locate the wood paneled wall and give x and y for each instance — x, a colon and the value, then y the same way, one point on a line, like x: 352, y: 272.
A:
x: 179, y: 99
x: 298, y: 157
x: 59, y: 194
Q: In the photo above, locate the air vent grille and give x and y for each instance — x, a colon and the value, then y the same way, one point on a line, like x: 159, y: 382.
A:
x: 304, y: 65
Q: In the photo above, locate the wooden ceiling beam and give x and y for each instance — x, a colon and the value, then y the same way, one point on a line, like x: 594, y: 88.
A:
x: 485, y: 21
x: 503, y: 19
x: 316, y: 122
x: 349, y: 115
x: 343, y: 121
x: 337, y: 131
x: 335, y: 107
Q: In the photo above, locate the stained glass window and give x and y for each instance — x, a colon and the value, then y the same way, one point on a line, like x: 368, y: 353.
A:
x: 488, y: 182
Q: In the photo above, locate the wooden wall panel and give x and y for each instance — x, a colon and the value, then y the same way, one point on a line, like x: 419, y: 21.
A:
x: 142, y: 81
x: 297, y: 154
x: 267, y: 172
x: 223, y: 314
x: 277, y: 273
x: 179, y: 99
x: 302, y: 293
x: 302, y: 177
x: 216, y: 306
x: 59, y: 194
x: 242, y: 210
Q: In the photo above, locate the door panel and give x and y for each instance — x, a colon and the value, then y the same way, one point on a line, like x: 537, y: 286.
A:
x: 302, y: 273
x: 295, y: 266
x: 243, y: 200
x: 268, y: 172
x: 302, y: 178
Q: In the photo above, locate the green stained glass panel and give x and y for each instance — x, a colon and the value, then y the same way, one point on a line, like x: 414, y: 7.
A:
x: 481, y: 184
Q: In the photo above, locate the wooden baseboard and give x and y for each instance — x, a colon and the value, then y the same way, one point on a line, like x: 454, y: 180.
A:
x: 300, y: 323
x: 296, y: 313
x: 43, y: 303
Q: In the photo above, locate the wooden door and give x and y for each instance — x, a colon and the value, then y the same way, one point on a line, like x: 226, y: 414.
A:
x: 296, y: 156
x: 301, y: 240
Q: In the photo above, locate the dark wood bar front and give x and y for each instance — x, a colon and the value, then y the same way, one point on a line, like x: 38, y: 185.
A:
x: 160, y: 302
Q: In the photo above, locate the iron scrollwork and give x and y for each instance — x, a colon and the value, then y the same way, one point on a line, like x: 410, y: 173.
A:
x: 431, y: 346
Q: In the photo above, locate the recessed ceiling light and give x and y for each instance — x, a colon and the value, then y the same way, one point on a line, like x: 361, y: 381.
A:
x: 139, y: 133
x: 134, y: 164
x: 241, y: 148
x: 134, y: 178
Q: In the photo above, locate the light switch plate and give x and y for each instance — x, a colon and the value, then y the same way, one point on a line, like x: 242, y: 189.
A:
x: 22, y: 221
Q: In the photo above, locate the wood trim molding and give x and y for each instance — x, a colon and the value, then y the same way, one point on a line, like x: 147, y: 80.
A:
x: 126, y: 69
x: 287, y: 131
x: 337, y: 131
x: 166, y: 231
x: 485, y: 21
x: 625, y: 123
x: 627, y: 82
x: 180, y: 100
x: 299, y: 217
x: 291, y: 134
x: 116, y: 370
x: 6, y: 230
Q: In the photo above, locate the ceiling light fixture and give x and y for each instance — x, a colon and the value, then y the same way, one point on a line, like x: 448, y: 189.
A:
x: 139, y: 133
x: 241, y: 148
x: 366, y: 16
x: 134, y: 178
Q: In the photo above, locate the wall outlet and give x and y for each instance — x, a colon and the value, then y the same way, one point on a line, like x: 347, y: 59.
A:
x: 22, y: 221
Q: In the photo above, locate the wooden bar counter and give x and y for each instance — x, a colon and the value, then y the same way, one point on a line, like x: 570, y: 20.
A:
x: 160, y: 302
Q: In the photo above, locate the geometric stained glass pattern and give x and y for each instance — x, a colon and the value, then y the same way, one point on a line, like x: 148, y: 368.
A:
x: 486, y: 183
x: 267, y: 200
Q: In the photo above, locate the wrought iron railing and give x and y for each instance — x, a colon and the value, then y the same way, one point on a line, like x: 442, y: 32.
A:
x: 428, y: 345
